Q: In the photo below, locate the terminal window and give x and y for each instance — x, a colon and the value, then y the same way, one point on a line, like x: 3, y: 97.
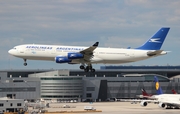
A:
x: 18, y: 104
x: 88, y: 95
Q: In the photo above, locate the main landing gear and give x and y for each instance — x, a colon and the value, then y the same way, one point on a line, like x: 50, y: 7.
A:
x: 87, y: 68
x: 25, y: 64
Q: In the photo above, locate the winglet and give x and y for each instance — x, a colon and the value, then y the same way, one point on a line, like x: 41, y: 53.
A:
x: 157, y: 86
x: 96, y: 44
x: 90, y: 49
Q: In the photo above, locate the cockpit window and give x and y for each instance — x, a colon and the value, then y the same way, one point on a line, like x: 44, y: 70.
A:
x: 14, y: 48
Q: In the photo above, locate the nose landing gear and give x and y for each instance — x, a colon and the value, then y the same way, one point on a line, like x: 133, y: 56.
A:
x: 25, y: 64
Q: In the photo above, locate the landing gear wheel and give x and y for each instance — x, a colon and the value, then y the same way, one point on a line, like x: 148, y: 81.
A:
x: 90, y: 67
x: 81, y: 67
x: 86, y: 69
x: 93, y: 70
x: 25, y: 64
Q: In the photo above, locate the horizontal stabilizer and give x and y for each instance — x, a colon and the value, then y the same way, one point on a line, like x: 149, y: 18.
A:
x: 157, y: 52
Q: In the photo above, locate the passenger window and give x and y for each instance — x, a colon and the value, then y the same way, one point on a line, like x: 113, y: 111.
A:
x: 1, y: 104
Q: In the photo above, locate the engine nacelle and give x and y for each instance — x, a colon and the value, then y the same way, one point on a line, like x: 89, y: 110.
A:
x: 61, y: 59
x: 143, y: 103
x: 75, y: 55
x: 162, y: 105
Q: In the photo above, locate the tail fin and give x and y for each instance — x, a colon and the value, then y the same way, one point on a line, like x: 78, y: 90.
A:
x: 157, y: 86
x: 144, y: 93
x: 156, y: 41
x: 174, y: 92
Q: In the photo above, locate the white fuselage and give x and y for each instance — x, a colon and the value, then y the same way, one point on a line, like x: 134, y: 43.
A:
x: 173, y: 99
x: 100, y: 55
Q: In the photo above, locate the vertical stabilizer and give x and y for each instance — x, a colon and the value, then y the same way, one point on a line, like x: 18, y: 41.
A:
x: 157, y: 86
x: 174, y: 92
x: 156, y: 41
x: 144, y: 93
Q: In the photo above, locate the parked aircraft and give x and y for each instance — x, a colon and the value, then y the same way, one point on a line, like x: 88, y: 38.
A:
x: 144, y: 94
x: 164, y: 100
x: 86, y: 56
x: 148, y: 96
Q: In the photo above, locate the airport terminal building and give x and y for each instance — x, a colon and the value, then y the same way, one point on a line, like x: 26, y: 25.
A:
x: 108, y: 82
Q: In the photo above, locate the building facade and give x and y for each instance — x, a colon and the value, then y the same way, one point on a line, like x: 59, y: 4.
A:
x: 13, y: 86
x: 59, y: 85
x: 63, y: 85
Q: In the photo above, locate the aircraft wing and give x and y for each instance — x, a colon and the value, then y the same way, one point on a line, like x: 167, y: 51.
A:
x: 88, y: 52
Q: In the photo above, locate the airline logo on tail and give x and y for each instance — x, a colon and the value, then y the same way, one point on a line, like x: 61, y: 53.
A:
x: 155, y: 40
x: 157, y: 86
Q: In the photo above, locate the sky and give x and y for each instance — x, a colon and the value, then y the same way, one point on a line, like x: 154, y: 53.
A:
x: 113, y: 23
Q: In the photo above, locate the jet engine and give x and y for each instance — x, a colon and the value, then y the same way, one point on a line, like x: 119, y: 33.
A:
x: 143, y: 103
x: 162, y: 105
x: 75, y: 55
x: 62, y: 59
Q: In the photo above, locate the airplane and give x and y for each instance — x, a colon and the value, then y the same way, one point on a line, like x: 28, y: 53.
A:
x: 86, y: 56
x: 164, y: 100
x: 144, y: 94
x: 147, y: 95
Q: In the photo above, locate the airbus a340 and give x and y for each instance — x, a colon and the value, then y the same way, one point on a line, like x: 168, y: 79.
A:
x: 86, y: 56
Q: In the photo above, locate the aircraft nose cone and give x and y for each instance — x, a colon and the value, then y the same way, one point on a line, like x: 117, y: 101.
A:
x: 10, y: 51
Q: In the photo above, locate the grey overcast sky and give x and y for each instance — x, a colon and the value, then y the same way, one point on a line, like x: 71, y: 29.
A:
x: 114, y: 23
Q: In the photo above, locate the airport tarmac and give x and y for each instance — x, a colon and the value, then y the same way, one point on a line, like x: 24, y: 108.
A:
x: 113, y: 108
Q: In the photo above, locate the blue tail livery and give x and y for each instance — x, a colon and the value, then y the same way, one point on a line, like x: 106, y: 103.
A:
x: 157, y: 86
x: 156, y: 41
